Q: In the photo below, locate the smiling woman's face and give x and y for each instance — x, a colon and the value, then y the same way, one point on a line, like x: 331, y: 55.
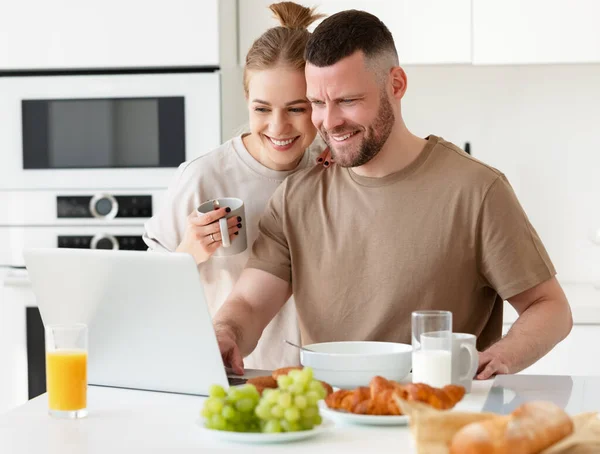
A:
x: 280, y: 117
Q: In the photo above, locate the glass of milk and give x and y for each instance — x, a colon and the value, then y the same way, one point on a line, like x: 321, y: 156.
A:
x: 432, y: 359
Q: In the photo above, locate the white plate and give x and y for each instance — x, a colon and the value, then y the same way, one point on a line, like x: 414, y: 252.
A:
x: 366, y: 420
x: 260, y: 438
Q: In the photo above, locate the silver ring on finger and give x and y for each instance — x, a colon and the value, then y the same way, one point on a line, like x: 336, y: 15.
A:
x: 212, y: 238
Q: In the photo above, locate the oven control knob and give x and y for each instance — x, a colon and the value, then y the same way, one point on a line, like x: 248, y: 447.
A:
x: 103, y: 241
x: 104, y: 206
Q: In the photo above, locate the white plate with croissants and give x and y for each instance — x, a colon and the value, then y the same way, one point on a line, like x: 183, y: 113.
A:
x: 376, y: 404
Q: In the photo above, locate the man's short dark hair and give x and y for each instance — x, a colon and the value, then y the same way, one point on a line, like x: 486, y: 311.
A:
x: 346, y: 32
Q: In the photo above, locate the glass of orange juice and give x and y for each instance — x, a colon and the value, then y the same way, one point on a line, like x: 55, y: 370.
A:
x: 66, y: 370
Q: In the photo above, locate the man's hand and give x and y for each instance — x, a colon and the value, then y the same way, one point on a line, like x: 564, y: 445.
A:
x: 490, y: 366
x: 230, y: 351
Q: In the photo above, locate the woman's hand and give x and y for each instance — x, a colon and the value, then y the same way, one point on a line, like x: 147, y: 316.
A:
x: 325, y: 159
x: 202, y: 236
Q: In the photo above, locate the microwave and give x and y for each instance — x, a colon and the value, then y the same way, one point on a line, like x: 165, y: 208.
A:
x: 75, y: 131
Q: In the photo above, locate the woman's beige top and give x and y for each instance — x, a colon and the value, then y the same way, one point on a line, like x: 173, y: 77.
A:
x: 229, y: 171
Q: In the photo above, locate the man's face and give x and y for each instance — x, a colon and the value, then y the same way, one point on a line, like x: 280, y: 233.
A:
x: 350, y: 108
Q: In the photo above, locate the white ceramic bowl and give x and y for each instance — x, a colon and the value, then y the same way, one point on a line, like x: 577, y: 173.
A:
x: 352, y: 364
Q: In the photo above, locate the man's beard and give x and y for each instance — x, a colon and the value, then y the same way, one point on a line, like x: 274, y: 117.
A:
x: 372, y: 143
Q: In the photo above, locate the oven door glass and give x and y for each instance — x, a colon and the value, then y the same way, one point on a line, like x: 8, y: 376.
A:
x: 103, y: 133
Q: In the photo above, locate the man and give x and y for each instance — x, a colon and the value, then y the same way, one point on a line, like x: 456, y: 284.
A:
x: 399, y: 224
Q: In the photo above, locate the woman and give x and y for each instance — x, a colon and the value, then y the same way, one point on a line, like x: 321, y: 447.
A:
x: 249, y: 167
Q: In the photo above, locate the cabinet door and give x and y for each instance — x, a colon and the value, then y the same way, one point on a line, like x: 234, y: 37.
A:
x: 38, y: 34
x: 536, y: 31
x: 425, y: 31
x: 15, y: 296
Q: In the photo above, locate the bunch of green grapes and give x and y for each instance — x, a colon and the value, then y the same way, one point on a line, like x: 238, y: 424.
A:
x: 232, y: 410
x: 292, y: 406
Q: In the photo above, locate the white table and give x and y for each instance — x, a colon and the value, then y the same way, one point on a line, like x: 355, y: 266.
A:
x: 137, y: 421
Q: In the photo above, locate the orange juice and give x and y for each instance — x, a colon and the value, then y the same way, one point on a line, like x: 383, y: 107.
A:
x: 66, y: 379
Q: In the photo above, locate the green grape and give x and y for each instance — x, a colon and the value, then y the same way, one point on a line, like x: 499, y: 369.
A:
x: 229, y: 413
x: 323, y: 393
x: 239, y: 427
x: 291, y: 414
x: 296, y: 388
x: 316, y: 385
x: 301, y: 402
x: 263, y: 410
x: 249, y: 390
x: 272, y: 426
x: 234, y: 394
x: 214, y: 404
x: 208, y: 424
x: 309, y: 373
x: 283, y: 381
x: 294, y: 374
x: 245, y: 405
x: 310, y: 412
x: 205, y: 413
x: 216, y: 391
x: 285, y: 400
x: 218, y: 422
x: 266, y: 392
x: 317, y: 420
x: 273, y: 396
x: 288, y: 426
x: 312, y: 397
x: 253, y: 426
x: 277, y: 412
x: 307, y: 423
x: 301, y: 379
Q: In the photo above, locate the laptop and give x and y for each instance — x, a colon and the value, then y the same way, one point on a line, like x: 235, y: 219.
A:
x: 148, y: 322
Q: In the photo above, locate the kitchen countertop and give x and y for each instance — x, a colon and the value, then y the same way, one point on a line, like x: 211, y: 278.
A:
x: 141, y: 421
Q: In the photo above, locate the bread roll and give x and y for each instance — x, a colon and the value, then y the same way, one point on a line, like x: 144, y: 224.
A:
x: 530, y: 429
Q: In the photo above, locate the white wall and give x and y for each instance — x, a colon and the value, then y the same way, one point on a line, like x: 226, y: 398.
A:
x: 537, y: 124
x: 234, y: 112
x: 234, y: 109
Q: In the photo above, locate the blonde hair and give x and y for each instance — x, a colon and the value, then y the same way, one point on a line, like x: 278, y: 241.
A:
x: 283, y: 45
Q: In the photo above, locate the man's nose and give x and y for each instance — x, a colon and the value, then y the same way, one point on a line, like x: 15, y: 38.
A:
x: 332, y: 118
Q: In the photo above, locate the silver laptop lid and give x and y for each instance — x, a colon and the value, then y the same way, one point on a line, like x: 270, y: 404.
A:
x: 149, y: 325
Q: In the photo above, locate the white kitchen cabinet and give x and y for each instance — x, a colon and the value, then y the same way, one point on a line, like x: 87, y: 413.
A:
x: 15, y: 296
x: 535, y: 31
x: 71, y: 34
x: 425, y: 31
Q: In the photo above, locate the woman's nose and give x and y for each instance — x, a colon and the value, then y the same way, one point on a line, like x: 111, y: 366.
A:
x: 279, y: 123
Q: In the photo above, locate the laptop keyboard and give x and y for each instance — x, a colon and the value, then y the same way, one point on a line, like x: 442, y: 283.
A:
x: 234, y: 381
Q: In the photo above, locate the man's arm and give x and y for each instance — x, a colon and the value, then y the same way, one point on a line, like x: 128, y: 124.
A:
x: 255, y: 299
x: 544, y: 320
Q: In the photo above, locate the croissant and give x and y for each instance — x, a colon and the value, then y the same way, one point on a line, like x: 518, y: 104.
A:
x: 378, y: 398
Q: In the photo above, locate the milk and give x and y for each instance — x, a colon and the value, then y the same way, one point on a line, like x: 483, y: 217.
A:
x: 433, y: 367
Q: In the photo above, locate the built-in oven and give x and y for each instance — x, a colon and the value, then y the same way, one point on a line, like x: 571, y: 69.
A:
x: 75, y: 131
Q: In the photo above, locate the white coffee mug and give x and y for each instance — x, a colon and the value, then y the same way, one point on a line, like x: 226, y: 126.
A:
x: 237, y: 209
x: 465, y: 358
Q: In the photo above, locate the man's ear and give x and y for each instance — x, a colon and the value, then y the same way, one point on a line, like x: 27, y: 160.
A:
x: 399, y: 82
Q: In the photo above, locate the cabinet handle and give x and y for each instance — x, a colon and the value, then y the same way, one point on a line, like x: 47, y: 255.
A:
x: 16, y: 278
